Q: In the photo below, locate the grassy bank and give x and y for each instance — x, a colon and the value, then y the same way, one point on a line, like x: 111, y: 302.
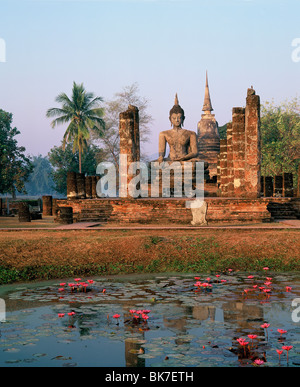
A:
x: 48, y: 254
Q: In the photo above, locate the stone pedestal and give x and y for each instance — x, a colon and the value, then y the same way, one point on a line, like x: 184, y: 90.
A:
x: 172, y: 180
x: 23, y: 211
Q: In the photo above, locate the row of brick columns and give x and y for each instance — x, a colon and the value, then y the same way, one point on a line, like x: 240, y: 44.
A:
x: 279, y: 185
x: 240, y: 154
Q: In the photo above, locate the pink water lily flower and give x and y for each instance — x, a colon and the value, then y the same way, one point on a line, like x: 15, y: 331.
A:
x: 281, y: 331
x: 258, y: 361
x: 265, y: 325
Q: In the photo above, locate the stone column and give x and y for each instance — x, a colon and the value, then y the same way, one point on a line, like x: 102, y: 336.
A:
x: 223, y: 167
x: 288, y: 191
x: 298, y: 183
x: 252, y: 145
x: 238, y: 151
x: 80, y: 181
x: 88, y: 187
x: 230, y: 183
x: 54, y: 206
x: 94, y: 186
x: 71, y: 185
x: 23, y: 212
x: 47, y: 205
x: 278, y: 185
x: 218, y: 170
x: 129, y: 143
x: 267, y: 186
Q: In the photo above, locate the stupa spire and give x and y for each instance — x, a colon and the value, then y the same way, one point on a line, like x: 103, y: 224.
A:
x: 207, y: 107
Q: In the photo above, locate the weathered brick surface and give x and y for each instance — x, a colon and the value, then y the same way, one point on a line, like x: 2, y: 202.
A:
x: 288, y: 185
x: 129, y: 139
x: 252, y: 145
x: 163, y: 211
x: 47, y: 205
x: 238, y: 151
x: 223, y: 167
x: 267, y: 186
x: 230, y: 175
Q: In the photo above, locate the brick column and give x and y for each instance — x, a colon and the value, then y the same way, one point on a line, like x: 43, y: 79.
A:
x: 88, y: 187
x: 47, y: 205
x: 129, y: 142
x: 278, y: 185
x: 80, y: 181
x: 218, y: 170
x: 238, y: 151
x: 288, y: 191
x: 252, y: 145
x: 230, y: 183
x: 267, y: 186
x: 298, y: 183
x: 71, y: 185
x: 223, y: 167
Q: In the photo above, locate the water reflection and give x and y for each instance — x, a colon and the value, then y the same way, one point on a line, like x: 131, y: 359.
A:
x: 186, y: 325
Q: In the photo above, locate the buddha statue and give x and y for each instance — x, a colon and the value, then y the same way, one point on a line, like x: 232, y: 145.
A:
x: 182, y: 142
x: 183, y: 149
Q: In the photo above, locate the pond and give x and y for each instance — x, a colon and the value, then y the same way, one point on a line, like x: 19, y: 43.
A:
x: 229, y: 319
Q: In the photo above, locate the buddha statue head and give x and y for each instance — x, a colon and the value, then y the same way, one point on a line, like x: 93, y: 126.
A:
x: 177, y: 109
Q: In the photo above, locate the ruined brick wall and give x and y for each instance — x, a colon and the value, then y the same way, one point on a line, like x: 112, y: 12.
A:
x: 163, y: 211
x: 243, y: 155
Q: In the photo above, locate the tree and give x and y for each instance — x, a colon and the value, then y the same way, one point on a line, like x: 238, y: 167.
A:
x: 15, y: 167
x: 63, y: 159
x: 280, y: 137
x: 110, y: 140
x: 83, y: 113
x: 40, y: 181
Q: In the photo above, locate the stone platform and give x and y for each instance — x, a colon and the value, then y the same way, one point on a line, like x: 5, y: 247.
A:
x: 159, y: 211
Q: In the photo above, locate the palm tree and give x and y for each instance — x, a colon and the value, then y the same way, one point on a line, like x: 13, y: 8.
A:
x: 82, y: 112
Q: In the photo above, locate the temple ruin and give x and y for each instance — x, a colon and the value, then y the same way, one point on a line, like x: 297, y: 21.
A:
x: 234, y: 190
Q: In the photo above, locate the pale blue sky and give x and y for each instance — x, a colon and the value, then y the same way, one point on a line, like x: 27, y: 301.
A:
x: 164, y: 45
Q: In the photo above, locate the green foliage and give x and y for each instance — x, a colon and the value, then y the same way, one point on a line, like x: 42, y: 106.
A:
x: 280, y: 135
x: 40, y: 181
x: 64, y: 160
x: 82, y: 112
x: 15, y: 167
x: 223, y: 131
